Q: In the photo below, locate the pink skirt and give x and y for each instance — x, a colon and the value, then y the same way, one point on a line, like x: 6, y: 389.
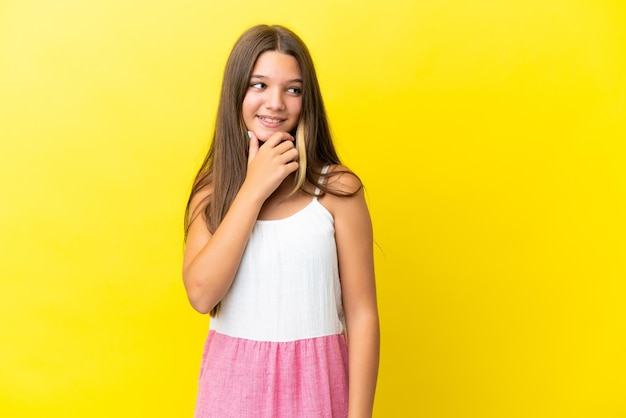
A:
x: 242, y: 378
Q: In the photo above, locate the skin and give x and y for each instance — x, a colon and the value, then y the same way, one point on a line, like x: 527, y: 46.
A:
x: 271, y: 109
x: 274, y: 99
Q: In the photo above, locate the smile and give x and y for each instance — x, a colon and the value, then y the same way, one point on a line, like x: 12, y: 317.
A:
x: 270, y: 120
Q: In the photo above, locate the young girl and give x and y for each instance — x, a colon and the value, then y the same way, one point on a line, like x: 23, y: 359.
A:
x: 279, y: 248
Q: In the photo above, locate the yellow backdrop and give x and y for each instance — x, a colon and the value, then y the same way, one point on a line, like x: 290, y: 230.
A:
x: 491, y: 139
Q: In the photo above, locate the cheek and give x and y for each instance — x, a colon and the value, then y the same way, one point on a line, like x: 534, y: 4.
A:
x: 297, y: 108
x: 247, y: 107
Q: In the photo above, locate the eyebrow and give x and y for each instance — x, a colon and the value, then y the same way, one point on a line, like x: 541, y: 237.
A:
x: 294, y: 80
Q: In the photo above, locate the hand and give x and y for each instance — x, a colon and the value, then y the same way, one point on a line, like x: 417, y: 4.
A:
x: 270, y: 164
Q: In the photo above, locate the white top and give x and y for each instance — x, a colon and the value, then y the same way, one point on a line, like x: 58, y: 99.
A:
x: 287, y: 286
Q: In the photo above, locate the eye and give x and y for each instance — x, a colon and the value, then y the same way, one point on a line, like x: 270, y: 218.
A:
x: 294, y: 90
x: 258, y: 85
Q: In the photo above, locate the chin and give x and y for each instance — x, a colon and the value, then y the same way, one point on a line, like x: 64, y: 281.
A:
x: 264, y: 134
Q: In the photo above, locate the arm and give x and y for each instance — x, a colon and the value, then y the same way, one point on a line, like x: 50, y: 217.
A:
x: 353, y: 233
x: 210, y: 262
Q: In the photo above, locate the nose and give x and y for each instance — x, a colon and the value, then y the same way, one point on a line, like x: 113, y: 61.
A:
x: 274, y: 99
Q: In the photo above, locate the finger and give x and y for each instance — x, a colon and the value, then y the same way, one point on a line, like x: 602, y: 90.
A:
x: 289, y: 156
x: 254, y: 146
x: 277, y: 138
x: 285, y: 146
x: 292, y: 166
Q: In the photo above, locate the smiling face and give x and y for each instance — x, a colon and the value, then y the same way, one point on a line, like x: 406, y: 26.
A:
x: 273, y: 102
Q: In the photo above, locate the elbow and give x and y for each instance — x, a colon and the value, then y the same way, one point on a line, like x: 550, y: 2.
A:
x: 196, y: 294
x: 366, y: 320
x: 199, y: 306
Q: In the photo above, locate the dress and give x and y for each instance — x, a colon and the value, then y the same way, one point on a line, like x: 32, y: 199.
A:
x: 277, y: 347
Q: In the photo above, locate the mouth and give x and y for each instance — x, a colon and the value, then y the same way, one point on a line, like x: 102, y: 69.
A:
x: 270, y: 120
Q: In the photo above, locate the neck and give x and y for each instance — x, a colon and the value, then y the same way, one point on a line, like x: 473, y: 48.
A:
x: 287, y: 185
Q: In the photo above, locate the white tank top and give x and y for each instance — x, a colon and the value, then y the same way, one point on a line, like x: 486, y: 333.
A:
x: 287, y: 286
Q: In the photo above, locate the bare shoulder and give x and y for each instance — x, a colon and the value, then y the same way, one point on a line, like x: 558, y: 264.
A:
x: 198, y: 204
x: 197, y: 233
x: 199, y: 199
x: 342, y: 181
x: 345, y: 192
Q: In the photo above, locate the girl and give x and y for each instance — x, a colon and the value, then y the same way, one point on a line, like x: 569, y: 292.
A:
x: 279, y: 248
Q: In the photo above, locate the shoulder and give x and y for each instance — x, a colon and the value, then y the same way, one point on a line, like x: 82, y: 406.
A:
x: 342, y: 181
x: 198, y: 202
x: 344, y: 192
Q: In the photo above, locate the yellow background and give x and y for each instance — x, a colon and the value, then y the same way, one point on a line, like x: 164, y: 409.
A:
x: 491, y: 139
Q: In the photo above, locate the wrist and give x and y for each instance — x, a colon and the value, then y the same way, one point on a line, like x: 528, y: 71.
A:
x: 251, y: 196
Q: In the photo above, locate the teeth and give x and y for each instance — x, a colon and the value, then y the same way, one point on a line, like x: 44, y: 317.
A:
x: 270, y: 120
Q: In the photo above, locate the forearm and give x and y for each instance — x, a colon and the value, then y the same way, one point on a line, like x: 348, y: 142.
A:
x: 209, y: 275
x: 363, y: 358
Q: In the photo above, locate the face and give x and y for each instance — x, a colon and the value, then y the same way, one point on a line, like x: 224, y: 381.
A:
x: 273, y: 101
